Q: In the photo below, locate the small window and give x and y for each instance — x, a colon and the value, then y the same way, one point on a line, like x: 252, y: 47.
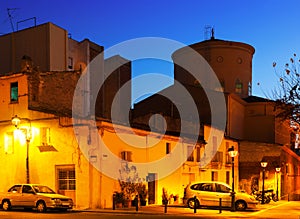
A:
x: 198, y: 154
x: 9, y: 143
x: 238, y: 86
x: 214, y: 176
x: 66, y: 178
x: 168, y: 148
x: 126, y: 155
x: 190, y: 153
x: 70, y: 63
x: 14, y: 92
x: 45, y: 135
x: 227, y: 177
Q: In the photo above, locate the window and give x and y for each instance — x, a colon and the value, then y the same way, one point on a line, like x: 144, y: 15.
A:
x: 215, y: 144
x: 222, y: 188
x: 214, y: 176
x: 227, y: 177
x: 190, y: 154
x: 228, y: 158
x: 9, y: 143
x: 70, y: 63
x: 206, y: 187
x: 198, y: 154
x: 14, y: 92
x: 45, y: 135
x: 66, y: 178
x: 27, y: 189
x: 238, y: 86
x: 126, y: 155
x: 168, y: 148
x: 218, y: 157
x: 16, y: 188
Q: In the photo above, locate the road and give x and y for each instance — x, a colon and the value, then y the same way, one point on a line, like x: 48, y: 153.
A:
x: 286, y: 210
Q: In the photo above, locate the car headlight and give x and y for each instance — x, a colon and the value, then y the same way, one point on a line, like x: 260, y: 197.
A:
x: 56, y: 200
x: 252, y: 198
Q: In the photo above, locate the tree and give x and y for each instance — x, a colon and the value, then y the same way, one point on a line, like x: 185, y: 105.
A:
x: 287, y: 96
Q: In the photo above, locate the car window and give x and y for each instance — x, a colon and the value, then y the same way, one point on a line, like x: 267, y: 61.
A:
x: 196, y: 187
x: 43, y: 189
x: 27, y: 189
x: 15, y: 189
x: 206, y: 187
x: 222, y: 188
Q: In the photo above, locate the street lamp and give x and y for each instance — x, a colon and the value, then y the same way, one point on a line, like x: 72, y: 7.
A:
x: 277, y: 171
x: 263, y: 165
x: 232, y: 153
x: 16, y: 121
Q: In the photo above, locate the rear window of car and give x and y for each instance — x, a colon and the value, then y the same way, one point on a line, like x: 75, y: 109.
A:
x: 15, y: 188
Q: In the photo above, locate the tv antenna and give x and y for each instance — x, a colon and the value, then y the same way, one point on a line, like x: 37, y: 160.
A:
x: 209, y: 32
x: 10, y: 17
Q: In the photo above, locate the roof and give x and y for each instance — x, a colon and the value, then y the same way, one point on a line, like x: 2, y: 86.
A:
x: 255, y: 99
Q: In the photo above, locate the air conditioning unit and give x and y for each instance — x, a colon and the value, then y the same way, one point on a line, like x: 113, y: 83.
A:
x: 126, y: 155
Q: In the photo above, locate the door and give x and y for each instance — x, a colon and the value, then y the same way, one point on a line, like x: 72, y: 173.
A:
x: 223, y: 192
x: 28, y: 196
x: 151, y: 188
x: 206, y: 195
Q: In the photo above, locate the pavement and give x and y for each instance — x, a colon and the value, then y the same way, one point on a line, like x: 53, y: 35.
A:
x: 181, y: 210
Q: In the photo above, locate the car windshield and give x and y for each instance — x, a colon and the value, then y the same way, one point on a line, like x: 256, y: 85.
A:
x: 43, y: 189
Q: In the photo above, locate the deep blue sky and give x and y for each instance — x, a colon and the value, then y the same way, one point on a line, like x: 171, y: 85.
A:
x: 270, y: 26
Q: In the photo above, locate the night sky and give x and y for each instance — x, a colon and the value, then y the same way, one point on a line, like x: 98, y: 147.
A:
x: 270, y: 26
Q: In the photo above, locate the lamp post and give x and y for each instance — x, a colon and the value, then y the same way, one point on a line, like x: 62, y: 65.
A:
x: 232, y: 153
x: 16, y: 121
x: 263, y: 165
x: 277, y: 171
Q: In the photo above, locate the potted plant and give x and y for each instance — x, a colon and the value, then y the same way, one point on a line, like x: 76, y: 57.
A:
x: 119, y: 199
x: 142, y: 192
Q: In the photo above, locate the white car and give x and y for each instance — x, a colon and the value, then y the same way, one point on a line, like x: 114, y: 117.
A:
x: 208, y: 193
x: 36, y: 196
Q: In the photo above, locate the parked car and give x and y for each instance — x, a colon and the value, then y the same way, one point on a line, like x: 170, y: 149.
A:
x: 209, y: 193
x: 36, y: 196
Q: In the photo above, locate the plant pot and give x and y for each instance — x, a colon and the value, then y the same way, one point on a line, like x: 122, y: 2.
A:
x: 127, y: 203
x: 119, y: 205
x: 143, y: 202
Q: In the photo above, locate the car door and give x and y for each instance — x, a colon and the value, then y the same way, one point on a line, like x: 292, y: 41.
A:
x: 223, y: 192
x: 28, y: 196
x: 15, y: 195
x: 206, y: 194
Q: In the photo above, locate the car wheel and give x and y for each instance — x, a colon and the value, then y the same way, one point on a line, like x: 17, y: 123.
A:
x: 6, y: 205
x: 40, y: 207
x: 240, y: 205
x: 192, y: 203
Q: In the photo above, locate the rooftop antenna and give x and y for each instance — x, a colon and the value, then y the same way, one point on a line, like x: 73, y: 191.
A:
x: 209, y: 32
x: 10, y: 17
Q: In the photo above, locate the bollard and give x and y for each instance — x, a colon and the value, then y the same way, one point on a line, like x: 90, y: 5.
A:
x: 220, y: 205
x: 195, y: 205
x: 166, y: 204
x: 137, y: 203
x: 114, y: 201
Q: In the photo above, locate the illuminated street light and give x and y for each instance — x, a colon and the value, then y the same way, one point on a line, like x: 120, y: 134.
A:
x: 16, y: 121
x: 277, y: 171
x: 263, y: 165
x: 232, y: 153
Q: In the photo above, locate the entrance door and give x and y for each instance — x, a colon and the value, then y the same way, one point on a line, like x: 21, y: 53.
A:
x: 151, y: 188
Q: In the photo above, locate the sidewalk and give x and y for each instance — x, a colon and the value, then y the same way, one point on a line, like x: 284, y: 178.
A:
x: 181, y: 210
